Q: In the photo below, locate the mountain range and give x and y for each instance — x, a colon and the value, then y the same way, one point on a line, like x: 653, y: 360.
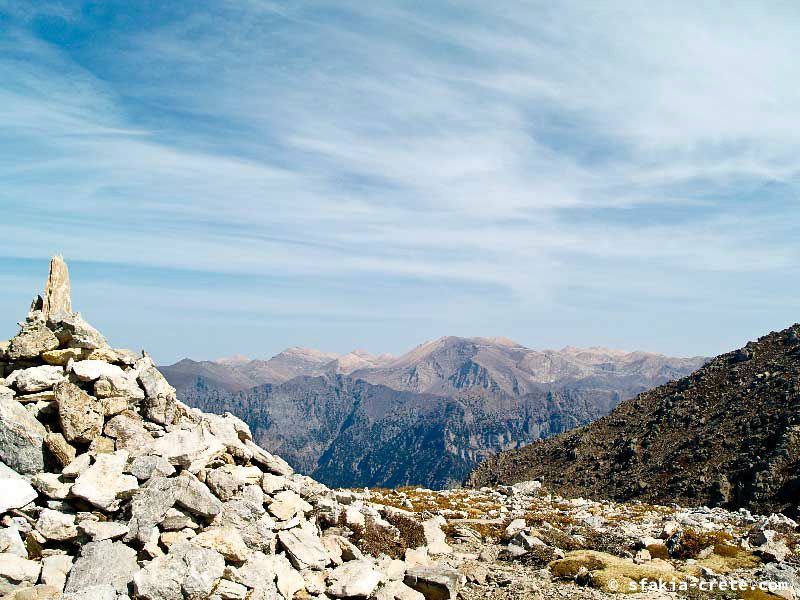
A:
x: 728, y: 434
x: 449, y: 403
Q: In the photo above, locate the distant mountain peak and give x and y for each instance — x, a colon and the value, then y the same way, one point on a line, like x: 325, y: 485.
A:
x: 236, y: 359
x: 311, y: 354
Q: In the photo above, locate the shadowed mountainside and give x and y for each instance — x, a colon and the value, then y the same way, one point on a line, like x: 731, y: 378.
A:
x: 728, y: 434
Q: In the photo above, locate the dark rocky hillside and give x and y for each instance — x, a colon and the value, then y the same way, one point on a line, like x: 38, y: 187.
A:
x: 728, y: 434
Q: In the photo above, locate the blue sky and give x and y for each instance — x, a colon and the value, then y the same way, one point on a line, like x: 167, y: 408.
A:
x: 241, y: 176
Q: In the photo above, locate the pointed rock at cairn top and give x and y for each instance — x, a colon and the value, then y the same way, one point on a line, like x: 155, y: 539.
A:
x: 57, y: 291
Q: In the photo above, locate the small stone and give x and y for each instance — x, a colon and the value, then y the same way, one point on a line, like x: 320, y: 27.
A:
x: 272, y: 483
x: 101, y: 445
x: 125, y: 386
x: 77, y: 467
x: 57, y: 526
x: 397, y: 590
x: 228, y: 590
x: 115, y: 405
x: 304, y: 548
x: 55, y: 570
x: 274, y: 464
x: 195, y: 497
x: 176, y: 520
x: 81, y: 415
x: 94, y: 592
x: 128, y: 431
x: 435, y: 539
x: 62, y: 357
x: 103, y: 530
x: 355, y: 578
x: 51, y: 485
x: 145, y: 467
x: 435, y: 583
x: 16, y: 491
x: 18, y: 569
x: 60, y: 448
x: 90, y: 370
x: 225, y: 540
x: 190, y: 449
x: 11, y: 542
x: 71, y: 330
x: 287, y: 504
x: 46, y: 396
x: 187, y: 571
x: 149, y: 506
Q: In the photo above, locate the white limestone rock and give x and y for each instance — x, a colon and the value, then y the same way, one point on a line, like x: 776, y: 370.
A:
x: 16, y: 491
x: 36, y: 379
x: 103, y: 483
x: 354, y: 578
x: 91, y: 370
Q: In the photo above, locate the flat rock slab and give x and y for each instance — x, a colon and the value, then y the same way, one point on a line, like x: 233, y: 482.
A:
x: 36, y: 379
x: 90, y: 370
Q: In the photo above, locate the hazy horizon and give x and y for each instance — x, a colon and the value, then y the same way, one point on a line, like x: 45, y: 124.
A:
x: 241, y: 177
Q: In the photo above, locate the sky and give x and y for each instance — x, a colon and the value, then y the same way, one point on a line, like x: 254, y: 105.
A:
x: 236, y: 177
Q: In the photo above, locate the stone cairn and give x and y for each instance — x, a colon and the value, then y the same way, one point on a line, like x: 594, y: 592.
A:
x: 110, y: 488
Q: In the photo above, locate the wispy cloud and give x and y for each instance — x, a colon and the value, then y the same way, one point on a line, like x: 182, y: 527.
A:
x: 521, y: 147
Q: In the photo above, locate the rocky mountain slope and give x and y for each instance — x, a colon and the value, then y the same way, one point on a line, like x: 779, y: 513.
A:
x: 112, y: 489
x: 457, y: 399
x: 728, y: 435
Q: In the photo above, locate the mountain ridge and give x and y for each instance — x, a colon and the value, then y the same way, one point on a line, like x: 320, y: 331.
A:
x: 454, y: 400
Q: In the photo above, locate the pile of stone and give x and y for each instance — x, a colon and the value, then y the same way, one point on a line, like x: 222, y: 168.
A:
x: 111, y: 488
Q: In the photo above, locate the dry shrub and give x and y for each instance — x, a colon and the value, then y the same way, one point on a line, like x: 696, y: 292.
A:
x: 375, y: 540
x: 658, y: 551
x: 693, y: 542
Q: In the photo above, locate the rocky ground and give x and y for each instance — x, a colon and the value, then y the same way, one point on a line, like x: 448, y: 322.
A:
x: 112, y: 489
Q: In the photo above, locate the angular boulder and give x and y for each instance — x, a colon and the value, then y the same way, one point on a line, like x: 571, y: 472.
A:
x: 32, y: 340
x: 81, y: 416
x: 103, y: 483
x: 190, y: 449
x: 21, y: 438
x: 103, y: 563
x: 188, y: 571
x: 357, y: 578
